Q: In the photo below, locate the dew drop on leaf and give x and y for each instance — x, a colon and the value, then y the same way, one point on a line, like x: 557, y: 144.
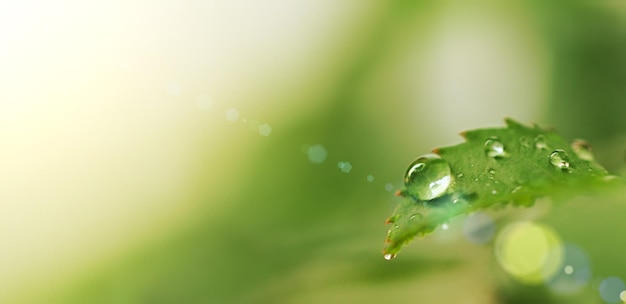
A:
x: 540, y: 142
x: 428, y: 177
x: 389, y: 256
x: 559, y: 159
x: 582, y: 149
x: 514, y: 190
x: 494, y: 147
x: 414, y: 216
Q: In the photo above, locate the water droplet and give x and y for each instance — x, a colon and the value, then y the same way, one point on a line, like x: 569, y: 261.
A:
x: 265, y: 130
x: 414, y: 216
x: 582, y: 149
x: 232, y: 114
x: 540, y: 142
x: 494, y: 192
x: 494, y: 147
x: 492, y: 171
x: 516, y: 189
x: 345, y: 167
x: 559, y: 159
x: 389, y: 187
x: 445, y: 226
x: 389, y: 256
x: 459, y: 175
x: 370, y: 178
x: 428, y: 177
x: 524, y: 142
x: 317, y: 154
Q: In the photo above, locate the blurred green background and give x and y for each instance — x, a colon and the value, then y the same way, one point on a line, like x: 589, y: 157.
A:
x: 138, y: 167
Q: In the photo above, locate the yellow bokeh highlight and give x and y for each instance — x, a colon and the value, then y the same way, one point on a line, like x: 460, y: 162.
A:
x: 530, y: 252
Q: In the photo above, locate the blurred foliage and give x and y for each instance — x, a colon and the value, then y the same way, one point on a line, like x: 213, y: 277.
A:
x: 297, y: 232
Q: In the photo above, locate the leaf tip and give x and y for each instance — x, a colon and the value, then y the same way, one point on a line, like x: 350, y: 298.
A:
x: 510, y: 122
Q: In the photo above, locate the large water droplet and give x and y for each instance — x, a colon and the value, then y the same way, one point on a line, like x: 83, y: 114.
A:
x: 494, y: 147
x: 582, y: 149
x: 428, y: 177
x: 540, y: 142
x: 389, y: 256
x: 559, y: 159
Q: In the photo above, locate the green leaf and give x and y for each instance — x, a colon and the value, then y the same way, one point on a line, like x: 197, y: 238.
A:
x: 495, y: 167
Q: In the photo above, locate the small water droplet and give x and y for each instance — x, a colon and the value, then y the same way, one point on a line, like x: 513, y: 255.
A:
x: 370, y: 178
x: 540, y: 142
x: 445, y: 226
x: 524, y: 141
x: 389, y: 256
x: 389, y: 187
x: 428, y: 177
x: 345, y: 167
x: 396, y: 226
x: 459, y: 175
x: 494, y: 147
x: 494, y: 192
x: 559, y: 159
x: 516, y: 189
x: 492, y: 171
x: 414, y: 216
x: 582, y: 149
